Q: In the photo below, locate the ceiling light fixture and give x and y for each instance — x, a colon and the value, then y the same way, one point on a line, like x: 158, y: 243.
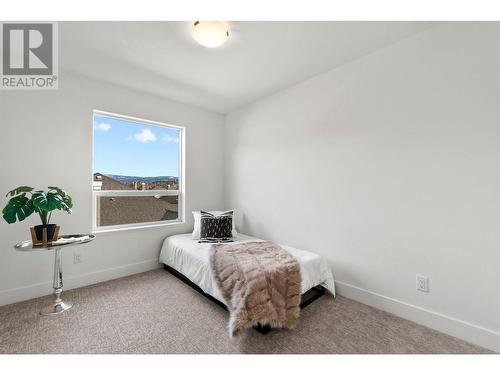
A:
x: 210, y: 34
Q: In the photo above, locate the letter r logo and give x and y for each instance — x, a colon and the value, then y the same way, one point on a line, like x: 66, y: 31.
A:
x: 27, y: 49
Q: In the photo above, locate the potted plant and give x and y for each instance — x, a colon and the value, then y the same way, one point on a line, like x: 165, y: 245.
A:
x: 25, y: 200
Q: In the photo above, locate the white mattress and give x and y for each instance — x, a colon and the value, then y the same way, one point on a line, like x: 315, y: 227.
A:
x: 191, y: 259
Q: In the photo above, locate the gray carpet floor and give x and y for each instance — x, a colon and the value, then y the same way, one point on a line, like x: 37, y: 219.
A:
x: 154, y: 312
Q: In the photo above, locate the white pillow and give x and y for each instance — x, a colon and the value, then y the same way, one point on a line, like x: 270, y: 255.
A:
x: 197, y: 223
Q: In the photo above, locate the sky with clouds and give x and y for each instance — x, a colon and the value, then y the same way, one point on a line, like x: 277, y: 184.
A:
x: 133, y: 149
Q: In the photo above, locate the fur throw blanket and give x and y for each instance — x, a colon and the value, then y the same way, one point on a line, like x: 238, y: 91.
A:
x: 260, y: 283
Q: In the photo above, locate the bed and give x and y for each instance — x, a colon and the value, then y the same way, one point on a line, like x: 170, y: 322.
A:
x: 189, y: 260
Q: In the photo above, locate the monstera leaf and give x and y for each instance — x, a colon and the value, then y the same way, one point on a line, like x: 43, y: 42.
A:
x: 67, y: 204
x: 19, y: 207
x: 60, y: 191
x: 67, y: 201
x: 44, y: 201
x: 19, y: 190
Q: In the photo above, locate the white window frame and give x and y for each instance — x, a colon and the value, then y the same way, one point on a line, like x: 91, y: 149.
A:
x: 134, y: 193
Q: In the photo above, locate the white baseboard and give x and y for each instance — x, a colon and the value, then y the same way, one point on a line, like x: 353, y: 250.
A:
x: 475, y: 334
x: 41, y: 289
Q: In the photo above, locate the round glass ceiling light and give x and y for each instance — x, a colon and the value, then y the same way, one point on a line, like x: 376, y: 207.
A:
x: 210, y: 34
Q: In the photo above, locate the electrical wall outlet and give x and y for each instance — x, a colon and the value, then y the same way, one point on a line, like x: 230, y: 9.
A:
x: 423, y: 283
x: 77, y: 258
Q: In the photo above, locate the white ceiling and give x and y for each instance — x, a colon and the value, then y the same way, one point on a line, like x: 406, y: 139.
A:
x: 259, y: 58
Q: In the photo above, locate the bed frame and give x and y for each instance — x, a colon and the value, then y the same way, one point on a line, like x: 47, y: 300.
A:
x: 306, y: 299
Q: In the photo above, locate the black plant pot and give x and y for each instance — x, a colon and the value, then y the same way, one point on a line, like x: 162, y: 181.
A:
x: 51, y: 228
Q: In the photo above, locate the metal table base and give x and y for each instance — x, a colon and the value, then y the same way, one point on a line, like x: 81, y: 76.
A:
x: 59, y: 305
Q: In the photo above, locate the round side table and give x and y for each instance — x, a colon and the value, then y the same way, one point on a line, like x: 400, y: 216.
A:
x: 59, y: 305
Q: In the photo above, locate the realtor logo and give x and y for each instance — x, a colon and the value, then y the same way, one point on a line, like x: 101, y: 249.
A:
x: 29, y: 56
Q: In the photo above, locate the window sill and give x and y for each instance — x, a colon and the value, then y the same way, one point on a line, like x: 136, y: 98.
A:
x: 132, y: 227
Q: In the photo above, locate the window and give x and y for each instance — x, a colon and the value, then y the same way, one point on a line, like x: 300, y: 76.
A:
x: 137, y: 172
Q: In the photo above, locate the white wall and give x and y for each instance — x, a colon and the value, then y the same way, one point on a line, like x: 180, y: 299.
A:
x: 46, y: 139
x: 388, y: 167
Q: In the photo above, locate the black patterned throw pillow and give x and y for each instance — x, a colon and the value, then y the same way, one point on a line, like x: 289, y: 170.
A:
x: 216, y: 228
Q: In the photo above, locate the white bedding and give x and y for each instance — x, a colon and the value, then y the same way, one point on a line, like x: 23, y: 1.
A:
x: 191, y: 258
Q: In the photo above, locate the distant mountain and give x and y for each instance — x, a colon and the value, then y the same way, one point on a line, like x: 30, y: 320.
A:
x: 127, y: 180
